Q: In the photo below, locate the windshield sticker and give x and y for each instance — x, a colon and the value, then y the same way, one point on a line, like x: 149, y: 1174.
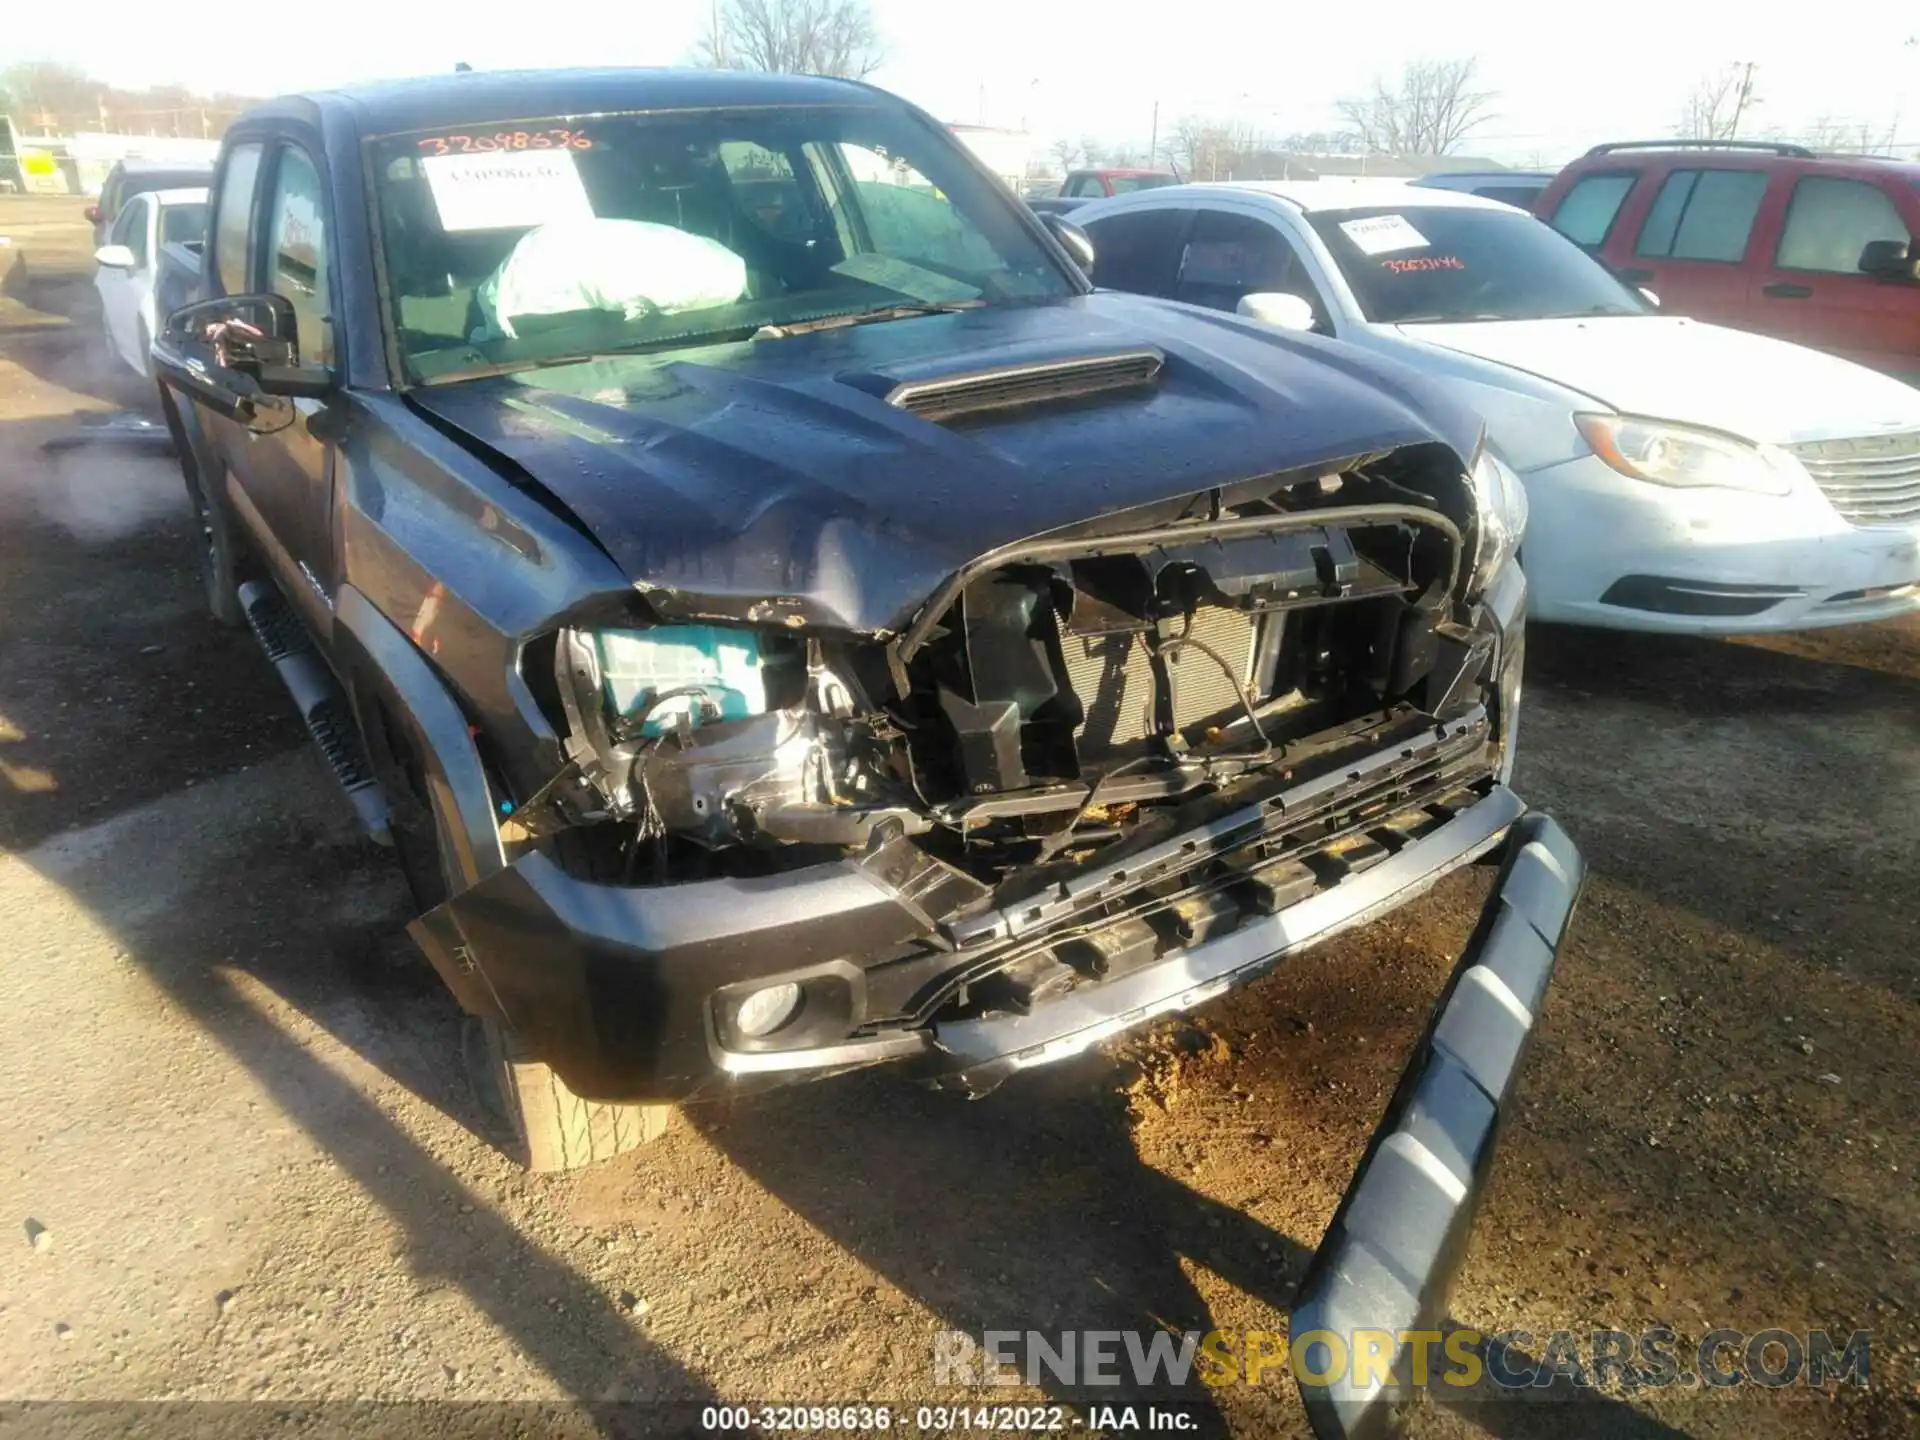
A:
x: 506, y: 191
x: 1424, y: 262
x: 1383, y: 234
x: 554, y: 139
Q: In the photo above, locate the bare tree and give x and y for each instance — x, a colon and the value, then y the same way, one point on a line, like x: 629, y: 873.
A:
x: 1322, y: 142
x: 1067, y: 152
x: 1828, y: 135
x: 1717, y: 104
x: 48, y: 97
x: 798, y: 37
x: 1433, y: 108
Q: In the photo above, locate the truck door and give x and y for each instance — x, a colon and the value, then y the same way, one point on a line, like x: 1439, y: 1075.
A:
x: 1692, y: 246
x: 288, y: 470
x: 1810, y: 289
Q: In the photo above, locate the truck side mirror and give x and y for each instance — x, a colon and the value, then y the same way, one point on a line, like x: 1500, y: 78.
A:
x: 1075, y: 241
x: 1889, y: 260
x: 255, y: 336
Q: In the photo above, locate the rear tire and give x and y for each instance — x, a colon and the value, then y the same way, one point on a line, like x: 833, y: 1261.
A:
x: 550, y: 1128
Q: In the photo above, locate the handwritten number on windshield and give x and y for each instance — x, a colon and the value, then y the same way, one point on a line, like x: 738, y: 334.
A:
x: 1424, y: 262
x: 555, y: 139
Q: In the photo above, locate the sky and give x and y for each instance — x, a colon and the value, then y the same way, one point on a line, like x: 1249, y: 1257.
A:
x: 1072, y: 69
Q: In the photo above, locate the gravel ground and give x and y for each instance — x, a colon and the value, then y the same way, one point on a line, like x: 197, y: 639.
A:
x: 239, y: 1160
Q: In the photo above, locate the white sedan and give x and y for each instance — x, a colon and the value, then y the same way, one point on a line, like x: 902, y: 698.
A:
x: 124, y: 267
x: 1681, y: 477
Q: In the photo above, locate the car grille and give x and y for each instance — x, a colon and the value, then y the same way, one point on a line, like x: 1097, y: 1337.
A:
x: 1872, y: 480
x: 1113, y: 677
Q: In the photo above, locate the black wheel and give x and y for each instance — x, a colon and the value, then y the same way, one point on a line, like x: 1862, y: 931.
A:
x: 222, y: 567
x: 549, y: 1127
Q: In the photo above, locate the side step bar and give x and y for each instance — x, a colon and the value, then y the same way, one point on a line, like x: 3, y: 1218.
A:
x: 317, y: 695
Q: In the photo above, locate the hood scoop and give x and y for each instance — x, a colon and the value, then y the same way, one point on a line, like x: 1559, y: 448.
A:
x: 943, y: 399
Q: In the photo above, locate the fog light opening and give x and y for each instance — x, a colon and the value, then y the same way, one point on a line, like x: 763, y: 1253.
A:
x: 765, y: 1011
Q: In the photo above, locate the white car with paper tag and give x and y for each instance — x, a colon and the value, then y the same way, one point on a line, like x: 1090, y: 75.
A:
x: 1681, y: 476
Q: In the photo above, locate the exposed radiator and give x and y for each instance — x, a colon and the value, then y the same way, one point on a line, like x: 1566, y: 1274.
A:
x: 1112, y: 677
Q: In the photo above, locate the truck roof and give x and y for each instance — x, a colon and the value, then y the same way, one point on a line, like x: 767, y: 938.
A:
x: 475, y: 96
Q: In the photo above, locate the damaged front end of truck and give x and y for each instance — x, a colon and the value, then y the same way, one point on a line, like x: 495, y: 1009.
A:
x: 1095, y: 775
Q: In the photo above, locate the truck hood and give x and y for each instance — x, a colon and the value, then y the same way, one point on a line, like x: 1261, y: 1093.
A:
x: 1677, y: 369
x: 771, y: 479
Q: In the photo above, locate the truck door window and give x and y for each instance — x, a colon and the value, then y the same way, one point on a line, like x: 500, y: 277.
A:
x: 1830, y: 221
x: 1703, y: 215
x: 297, y: 252
x: 1139, y: 250
x: 233, y: 217
x: 1585, y: 213
x: 907, y: 218
x: 1085, y: 185
x: 1229, y: 256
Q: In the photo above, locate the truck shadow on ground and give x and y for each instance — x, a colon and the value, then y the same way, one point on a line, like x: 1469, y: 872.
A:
x: 1032, y: 1210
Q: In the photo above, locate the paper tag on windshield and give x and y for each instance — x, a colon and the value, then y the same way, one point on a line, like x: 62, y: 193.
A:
x: 506, y: 190
x: 1383, y: 234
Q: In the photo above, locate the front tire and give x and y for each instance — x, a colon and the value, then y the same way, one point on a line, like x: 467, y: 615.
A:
x: 553, y: 1128
x: 550, y: 1128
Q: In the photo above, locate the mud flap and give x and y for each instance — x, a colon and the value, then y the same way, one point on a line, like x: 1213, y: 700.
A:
x: 1383, y: 1271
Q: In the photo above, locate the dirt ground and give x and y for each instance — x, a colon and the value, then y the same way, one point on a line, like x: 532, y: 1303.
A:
x: 239, y: 1159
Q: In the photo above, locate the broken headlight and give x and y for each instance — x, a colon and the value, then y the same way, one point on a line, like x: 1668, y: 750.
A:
x: 1502, y: 504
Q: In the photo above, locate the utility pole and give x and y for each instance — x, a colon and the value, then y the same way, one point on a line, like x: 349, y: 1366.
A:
x: 719, y: 36
x: 1153, y: 145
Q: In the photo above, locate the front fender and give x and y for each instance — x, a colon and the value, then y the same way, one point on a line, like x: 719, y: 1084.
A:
x: 383, y: 667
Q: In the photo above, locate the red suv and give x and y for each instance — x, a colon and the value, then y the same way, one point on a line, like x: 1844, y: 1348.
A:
x: 1818, y: 249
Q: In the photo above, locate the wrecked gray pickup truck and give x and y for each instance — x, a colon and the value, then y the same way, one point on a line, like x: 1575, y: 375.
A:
x: 786, y: 621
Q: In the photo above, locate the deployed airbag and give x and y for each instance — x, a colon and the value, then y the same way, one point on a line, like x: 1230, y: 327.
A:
x: 631, y: 266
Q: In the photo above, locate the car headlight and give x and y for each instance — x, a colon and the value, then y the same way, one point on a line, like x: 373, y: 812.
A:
x: 1679, y: 455
x: 1502, y: 503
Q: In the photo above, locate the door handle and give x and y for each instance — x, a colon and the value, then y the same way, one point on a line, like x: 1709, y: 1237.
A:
x: 1635, y: 276
x: 1785, y: 290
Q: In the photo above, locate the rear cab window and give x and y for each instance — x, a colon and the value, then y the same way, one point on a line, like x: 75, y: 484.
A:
x: 1586, y: 213
x: 1703, y: 214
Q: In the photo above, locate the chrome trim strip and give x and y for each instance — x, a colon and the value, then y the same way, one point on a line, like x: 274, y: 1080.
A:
x: 874, y: 1050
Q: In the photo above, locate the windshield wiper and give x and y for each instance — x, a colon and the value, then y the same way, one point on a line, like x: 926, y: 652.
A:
x: 904, y: 311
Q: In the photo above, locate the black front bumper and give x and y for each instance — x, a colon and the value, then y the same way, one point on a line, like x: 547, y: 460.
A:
x: 1390, y: 1255
x: 630, y: 992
